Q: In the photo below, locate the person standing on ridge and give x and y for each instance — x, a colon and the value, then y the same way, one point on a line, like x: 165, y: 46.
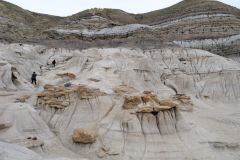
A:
x: 34, y: 78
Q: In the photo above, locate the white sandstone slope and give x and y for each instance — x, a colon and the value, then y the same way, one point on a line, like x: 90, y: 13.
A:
x: 127, y: 96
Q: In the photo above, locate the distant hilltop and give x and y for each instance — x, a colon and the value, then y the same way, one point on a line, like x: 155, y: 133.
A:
x: 203, y: 24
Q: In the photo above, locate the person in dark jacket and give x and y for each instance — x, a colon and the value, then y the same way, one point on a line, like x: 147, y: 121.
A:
x: 54, y: 63
x: 34, y: 78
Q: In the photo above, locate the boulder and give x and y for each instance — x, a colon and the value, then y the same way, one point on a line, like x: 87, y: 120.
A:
x: 81, y: 135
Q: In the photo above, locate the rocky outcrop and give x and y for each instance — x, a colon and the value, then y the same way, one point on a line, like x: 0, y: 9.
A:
x: 55, y: 97
x: 146, y: 104
x: 81, y: 135
x: 60, y: 97
x: 7, y: 80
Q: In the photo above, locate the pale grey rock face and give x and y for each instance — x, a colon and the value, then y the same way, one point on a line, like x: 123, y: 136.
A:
x: 118, y: 30
x: 15, y: 152
x: 204, y: 124
x: 215, y: 32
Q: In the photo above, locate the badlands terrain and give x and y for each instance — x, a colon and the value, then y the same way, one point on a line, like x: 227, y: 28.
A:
x: 160, y: 85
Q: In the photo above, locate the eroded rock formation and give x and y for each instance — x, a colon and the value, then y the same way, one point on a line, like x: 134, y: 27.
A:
x: 81, y: 135
x: 121, y: 92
